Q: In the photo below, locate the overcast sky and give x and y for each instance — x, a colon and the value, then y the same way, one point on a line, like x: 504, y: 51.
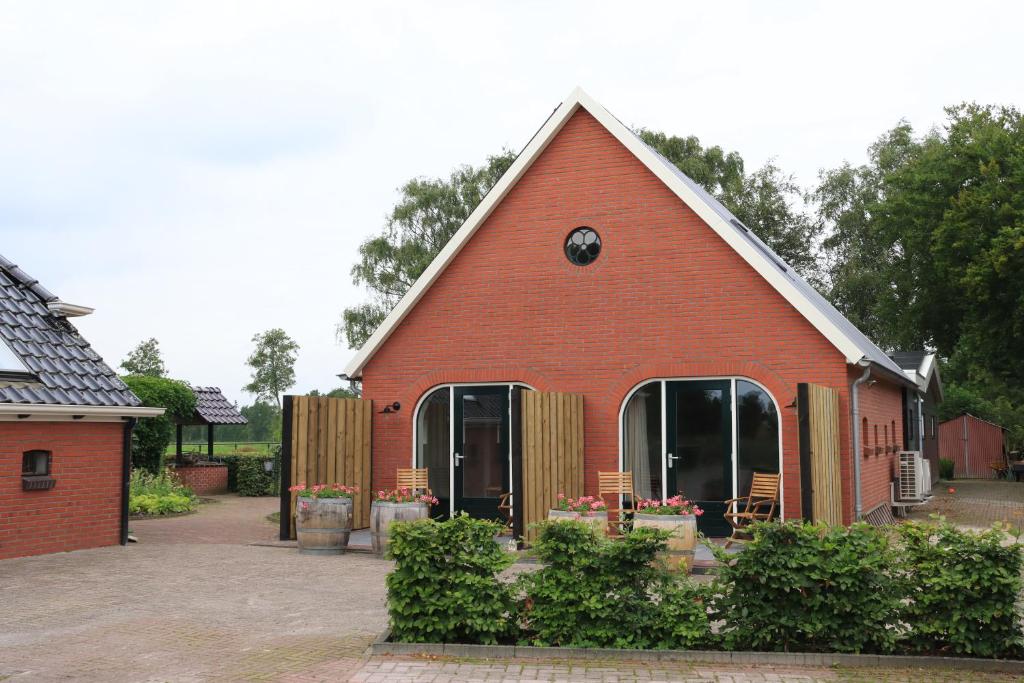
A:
x: 199, y: 172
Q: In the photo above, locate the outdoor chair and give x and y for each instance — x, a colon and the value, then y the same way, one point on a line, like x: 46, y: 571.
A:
x: 616, y: 490
x: 416, y: 480
x: 758, y: 505
x: 505, y: 510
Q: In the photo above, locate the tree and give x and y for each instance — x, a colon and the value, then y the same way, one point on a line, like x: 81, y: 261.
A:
x: 340, y: 392
x: 767, y: 201
x: 145, y: 360
x: 926, y: 248
x: 152, y: 435
x: 273, y: 364
x: 426, y: 216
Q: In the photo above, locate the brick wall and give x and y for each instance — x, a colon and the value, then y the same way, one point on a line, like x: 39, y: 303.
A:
x: 881, y: 409
x: 666, y: 298
x: 83, y: 510
x: 204, y: 479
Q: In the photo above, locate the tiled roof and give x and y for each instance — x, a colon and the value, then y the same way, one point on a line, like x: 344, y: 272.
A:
x: 66, y: 369
x: 213, y: 408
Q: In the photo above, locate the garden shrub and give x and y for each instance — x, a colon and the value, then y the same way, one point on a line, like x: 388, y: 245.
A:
x: 252, y: 479
x: 158, y: 494
x: 152, y: 435
x: 805, y: 587
x: 445, y: 587
x: 945, y: 469
x: 962, y: 590
x: 593, y: 592
x: 234, y: 463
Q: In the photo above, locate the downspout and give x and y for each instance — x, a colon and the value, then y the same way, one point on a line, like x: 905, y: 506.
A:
x: 920, y: 424
x: 126, y: 475
x: 855, y: 413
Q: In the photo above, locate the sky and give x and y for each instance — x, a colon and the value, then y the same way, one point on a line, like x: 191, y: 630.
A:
x: 202, y: 171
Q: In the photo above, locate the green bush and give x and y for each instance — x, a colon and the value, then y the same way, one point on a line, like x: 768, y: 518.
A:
x: 945, y: 469
x: 234, y: 464
x: 252, y: 479
x: 804, y: 587
x: 152, y: 434
x: 444, y: 587
x: 158, y: 494
x: 593, y: 592
x: 961, y: 591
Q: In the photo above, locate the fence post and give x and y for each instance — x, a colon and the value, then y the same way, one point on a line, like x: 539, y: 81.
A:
x: 286, y: 469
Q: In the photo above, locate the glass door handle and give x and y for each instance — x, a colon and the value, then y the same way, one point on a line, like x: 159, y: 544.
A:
x: 671, y: 459
x: 458, y: 459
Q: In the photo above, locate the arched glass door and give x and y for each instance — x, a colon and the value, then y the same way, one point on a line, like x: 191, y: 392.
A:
x: 702, y: 438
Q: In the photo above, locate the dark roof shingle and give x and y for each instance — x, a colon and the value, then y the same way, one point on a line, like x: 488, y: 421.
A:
x: 213, y: 408
x: 67, y: 370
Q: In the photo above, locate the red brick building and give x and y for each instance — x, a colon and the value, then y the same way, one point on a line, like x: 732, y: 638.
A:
x: 65, y: 428
x: 596, y: 267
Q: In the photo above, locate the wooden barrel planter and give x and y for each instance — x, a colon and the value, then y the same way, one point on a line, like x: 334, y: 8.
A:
x: 682, y: 543
x: 599, y: 519
x: 383, y: 513
x: 323, y: 525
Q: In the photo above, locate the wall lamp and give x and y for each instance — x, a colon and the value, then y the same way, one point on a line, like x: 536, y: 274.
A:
x: 393, y: 408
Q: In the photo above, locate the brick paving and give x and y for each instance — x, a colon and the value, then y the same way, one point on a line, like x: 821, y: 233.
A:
x: 194, y: 600
x: 976, y: 503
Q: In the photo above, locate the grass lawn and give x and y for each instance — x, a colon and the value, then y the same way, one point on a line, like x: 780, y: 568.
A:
x: 228, y: 447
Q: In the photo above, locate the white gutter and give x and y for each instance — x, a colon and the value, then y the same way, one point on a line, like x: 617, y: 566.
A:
x: 855, y: 416
x: 29, y: 411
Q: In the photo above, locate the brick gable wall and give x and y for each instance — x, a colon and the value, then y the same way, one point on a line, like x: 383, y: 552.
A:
x: 83, y: 510
x: 666, y: 298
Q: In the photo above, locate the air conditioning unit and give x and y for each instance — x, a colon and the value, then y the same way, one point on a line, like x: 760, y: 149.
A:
x: 912, y: 476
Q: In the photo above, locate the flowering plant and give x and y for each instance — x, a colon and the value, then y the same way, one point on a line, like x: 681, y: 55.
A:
x: 324, y: 490
x: 584, y: 504
x: 404, y: 495
x: 676, y: 505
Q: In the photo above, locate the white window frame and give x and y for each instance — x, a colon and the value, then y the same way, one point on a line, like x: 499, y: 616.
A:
x: 732, y: 379
x: 451, y: 430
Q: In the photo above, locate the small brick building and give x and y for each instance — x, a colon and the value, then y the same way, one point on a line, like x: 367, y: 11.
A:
x: 596, y: 267
x: 65, y: 428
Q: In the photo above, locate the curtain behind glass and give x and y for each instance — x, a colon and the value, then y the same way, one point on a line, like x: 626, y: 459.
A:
x: 757, y: 431
x: 642, y: 440
x: 434, y: 440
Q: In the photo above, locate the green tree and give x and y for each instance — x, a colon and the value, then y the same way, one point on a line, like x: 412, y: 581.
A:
x: 145, y: 359
x: 152, y: 434
x: 926, y: 246
x: 340, y: 392
x: 273, y: 365
x: 768, y: 201
x: 428, y: 213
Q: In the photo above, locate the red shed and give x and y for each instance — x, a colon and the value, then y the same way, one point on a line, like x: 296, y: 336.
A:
x: 973, y: 445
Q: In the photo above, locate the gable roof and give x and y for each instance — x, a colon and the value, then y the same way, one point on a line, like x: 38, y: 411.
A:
x: 922, y: 367
x: 212, y: 407
x: 61, y: 369
x: 851, y: 343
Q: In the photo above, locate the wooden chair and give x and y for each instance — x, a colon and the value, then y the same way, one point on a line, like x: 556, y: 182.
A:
x: 505, y: 510
x: 764, y: 493
x: 414, y: 479
x: 616, y: 485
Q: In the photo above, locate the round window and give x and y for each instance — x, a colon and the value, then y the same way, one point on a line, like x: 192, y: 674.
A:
x: 582, y: 246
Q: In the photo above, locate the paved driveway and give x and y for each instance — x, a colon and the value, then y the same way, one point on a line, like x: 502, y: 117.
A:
x: 194, y: 600
x: 191, y: 601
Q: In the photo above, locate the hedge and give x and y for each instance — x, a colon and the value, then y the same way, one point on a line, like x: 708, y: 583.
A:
x: 921, y: 589
x: 247, y: 476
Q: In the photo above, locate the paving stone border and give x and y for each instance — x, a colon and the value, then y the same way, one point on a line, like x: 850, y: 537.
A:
x: 383, y: 646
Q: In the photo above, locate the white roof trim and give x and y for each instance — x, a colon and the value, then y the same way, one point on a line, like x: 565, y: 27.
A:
x: 44, y: 412
x: 579, y: 99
